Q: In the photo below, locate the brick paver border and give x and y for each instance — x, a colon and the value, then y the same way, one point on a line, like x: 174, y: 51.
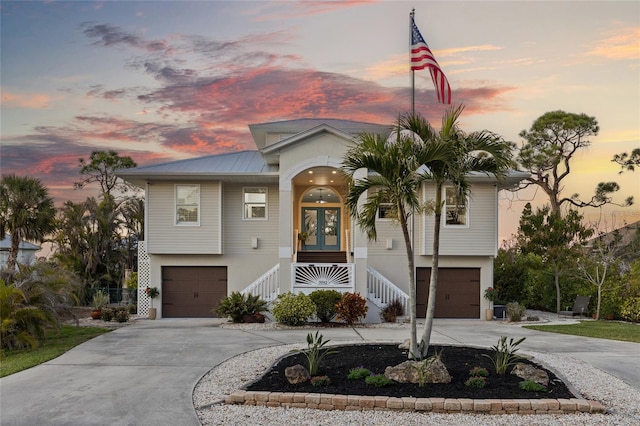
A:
x: 326, y: 401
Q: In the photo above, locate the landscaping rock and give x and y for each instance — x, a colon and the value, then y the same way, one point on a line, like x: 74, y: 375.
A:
x: 529, y: 372
x: 296, y: 374
x: 409, y: 372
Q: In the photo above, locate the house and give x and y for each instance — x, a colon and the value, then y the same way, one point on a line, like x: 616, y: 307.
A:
x: 232, y: 222
x: 26, y: 251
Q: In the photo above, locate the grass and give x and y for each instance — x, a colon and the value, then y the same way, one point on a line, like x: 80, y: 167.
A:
x: 55, y: 345
x: 611, y: 330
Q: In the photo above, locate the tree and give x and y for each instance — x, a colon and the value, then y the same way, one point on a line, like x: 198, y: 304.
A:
x: 89, y: 241
x: 628, y: 163
x: 101, y: 168
x: 556, y: 239
x: 550, y: 144
x: 26, y: 212
x: 479, y: 152
x: 395, y: 163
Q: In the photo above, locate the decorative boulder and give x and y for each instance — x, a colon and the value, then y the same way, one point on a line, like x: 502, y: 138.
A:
x: 529, y: 372
x: 405, y: 345
x: 410, y: 371
x: 296, y: 374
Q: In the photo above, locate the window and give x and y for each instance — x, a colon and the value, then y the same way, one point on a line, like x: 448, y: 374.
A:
x: 386, y: 209
x: 455, y: 208
x: 187, y: 204
x: 255, y: 203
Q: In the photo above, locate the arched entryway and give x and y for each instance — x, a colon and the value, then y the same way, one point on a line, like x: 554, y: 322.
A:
x: 321, y: 219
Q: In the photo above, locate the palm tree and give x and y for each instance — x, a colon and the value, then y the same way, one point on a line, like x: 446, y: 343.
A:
x: 395, y: 165
x: 26, y: 212
x: 478, y: 152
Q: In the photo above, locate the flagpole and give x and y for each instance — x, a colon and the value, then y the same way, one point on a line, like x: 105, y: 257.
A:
x: 413, y: 72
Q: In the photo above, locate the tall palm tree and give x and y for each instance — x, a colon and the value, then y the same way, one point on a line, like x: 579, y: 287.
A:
x: 395, y: 165
x: 478, y: 152
x: 26, y: 212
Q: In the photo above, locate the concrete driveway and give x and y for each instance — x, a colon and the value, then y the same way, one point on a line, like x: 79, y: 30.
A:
x: 144, y: 374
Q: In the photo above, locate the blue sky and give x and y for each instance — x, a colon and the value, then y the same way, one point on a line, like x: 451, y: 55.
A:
x: 162, y: 80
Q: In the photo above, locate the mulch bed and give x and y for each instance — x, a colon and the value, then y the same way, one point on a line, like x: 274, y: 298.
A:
x: 376, y: 357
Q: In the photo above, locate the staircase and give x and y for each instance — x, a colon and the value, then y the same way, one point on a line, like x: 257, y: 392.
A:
x: 331, y: 257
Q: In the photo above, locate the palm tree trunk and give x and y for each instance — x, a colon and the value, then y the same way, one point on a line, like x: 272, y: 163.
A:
x: 13, y: 252
x: 433, y: 285
x: 413, y: 341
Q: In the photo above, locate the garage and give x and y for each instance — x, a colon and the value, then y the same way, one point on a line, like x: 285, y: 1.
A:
x: 192, y: 291
x: 458, y: 294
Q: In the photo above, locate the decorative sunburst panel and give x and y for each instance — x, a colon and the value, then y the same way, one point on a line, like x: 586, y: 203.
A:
x: 314, y: 275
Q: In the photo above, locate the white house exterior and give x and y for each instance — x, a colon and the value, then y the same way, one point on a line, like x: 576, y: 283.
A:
x: 26, y: 252
x: 230, y: 222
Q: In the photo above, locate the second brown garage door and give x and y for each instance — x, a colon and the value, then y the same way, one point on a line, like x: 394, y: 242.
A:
x: 192, y: 291
x: 457, y: 296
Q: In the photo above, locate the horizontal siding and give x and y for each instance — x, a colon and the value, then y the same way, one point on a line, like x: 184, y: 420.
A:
x: 165, y: 237
x: 480, y: 238
x: 237, y: 232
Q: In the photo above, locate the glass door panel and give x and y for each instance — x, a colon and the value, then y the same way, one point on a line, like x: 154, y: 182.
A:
x: 323, y: 228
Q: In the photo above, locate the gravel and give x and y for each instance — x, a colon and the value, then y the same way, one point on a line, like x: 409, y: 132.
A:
x: 621, y: 400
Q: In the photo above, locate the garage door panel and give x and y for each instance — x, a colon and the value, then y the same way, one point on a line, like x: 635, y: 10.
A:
x: 457, y: 296
x: 192, y: 291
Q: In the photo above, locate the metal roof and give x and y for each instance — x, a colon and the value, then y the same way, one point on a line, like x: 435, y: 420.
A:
x: 260, y: 130
x: 5, y: 244
x: 241, y: 164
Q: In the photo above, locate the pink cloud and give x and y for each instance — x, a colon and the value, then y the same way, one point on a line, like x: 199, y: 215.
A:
x: 25, y: 100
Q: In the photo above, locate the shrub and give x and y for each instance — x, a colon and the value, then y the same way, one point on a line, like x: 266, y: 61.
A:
x: 392, y: 311
x: 325, y: 301
x: 378, y: 380
x: 121, y: 314
x: 504, y: 354
x: 107, y: 314
x: 133, y: 309
x: 476, y: 382
x: 314, y: 352
x: 293, y: 309
x: 531, y: 386
x: 478, y: 371
x: 21, y: 325
x: 320, y: 381
x: 630, y: 309
x: 358, y: 373
x: 237, y: 305
x: 351, y: 307
x: 515, y: 311
x: 100, y: 300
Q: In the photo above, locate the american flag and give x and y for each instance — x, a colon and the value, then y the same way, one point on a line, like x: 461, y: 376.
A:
x: 421, y: 58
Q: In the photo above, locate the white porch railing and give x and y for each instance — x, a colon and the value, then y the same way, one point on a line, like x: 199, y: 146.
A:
x: 308, y: 277
x: 382, y: 291
x: 267, y: 286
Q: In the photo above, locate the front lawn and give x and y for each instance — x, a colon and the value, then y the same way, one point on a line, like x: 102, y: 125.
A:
x: 55, y: 345
x: 612, y: 330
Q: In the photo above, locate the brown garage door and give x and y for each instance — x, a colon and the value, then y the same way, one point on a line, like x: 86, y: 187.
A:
x: 458, y: 294
x: 192, y: 291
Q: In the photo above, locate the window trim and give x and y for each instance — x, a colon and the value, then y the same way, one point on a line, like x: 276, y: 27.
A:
x: 466, y: 210
x: 266, y: 203
x: 176, y: 204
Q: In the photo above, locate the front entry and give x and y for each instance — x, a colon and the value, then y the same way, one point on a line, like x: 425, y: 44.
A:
x: 322, y: 225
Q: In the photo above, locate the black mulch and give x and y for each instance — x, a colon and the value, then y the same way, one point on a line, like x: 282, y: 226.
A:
x: 458, y: 360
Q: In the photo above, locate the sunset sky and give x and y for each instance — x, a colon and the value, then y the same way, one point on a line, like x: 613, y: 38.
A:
x: 165, y: 80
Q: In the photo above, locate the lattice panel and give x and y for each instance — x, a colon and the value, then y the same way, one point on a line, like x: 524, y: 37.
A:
x: 144, y: 278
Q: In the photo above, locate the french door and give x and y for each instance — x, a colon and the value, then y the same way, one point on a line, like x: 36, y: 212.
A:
x: 322, y: 225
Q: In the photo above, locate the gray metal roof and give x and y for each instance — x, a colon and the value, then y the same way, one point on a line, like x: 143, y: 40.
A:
x: 243, y: 164
x: 259, y: 131
x: 5, y: 244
